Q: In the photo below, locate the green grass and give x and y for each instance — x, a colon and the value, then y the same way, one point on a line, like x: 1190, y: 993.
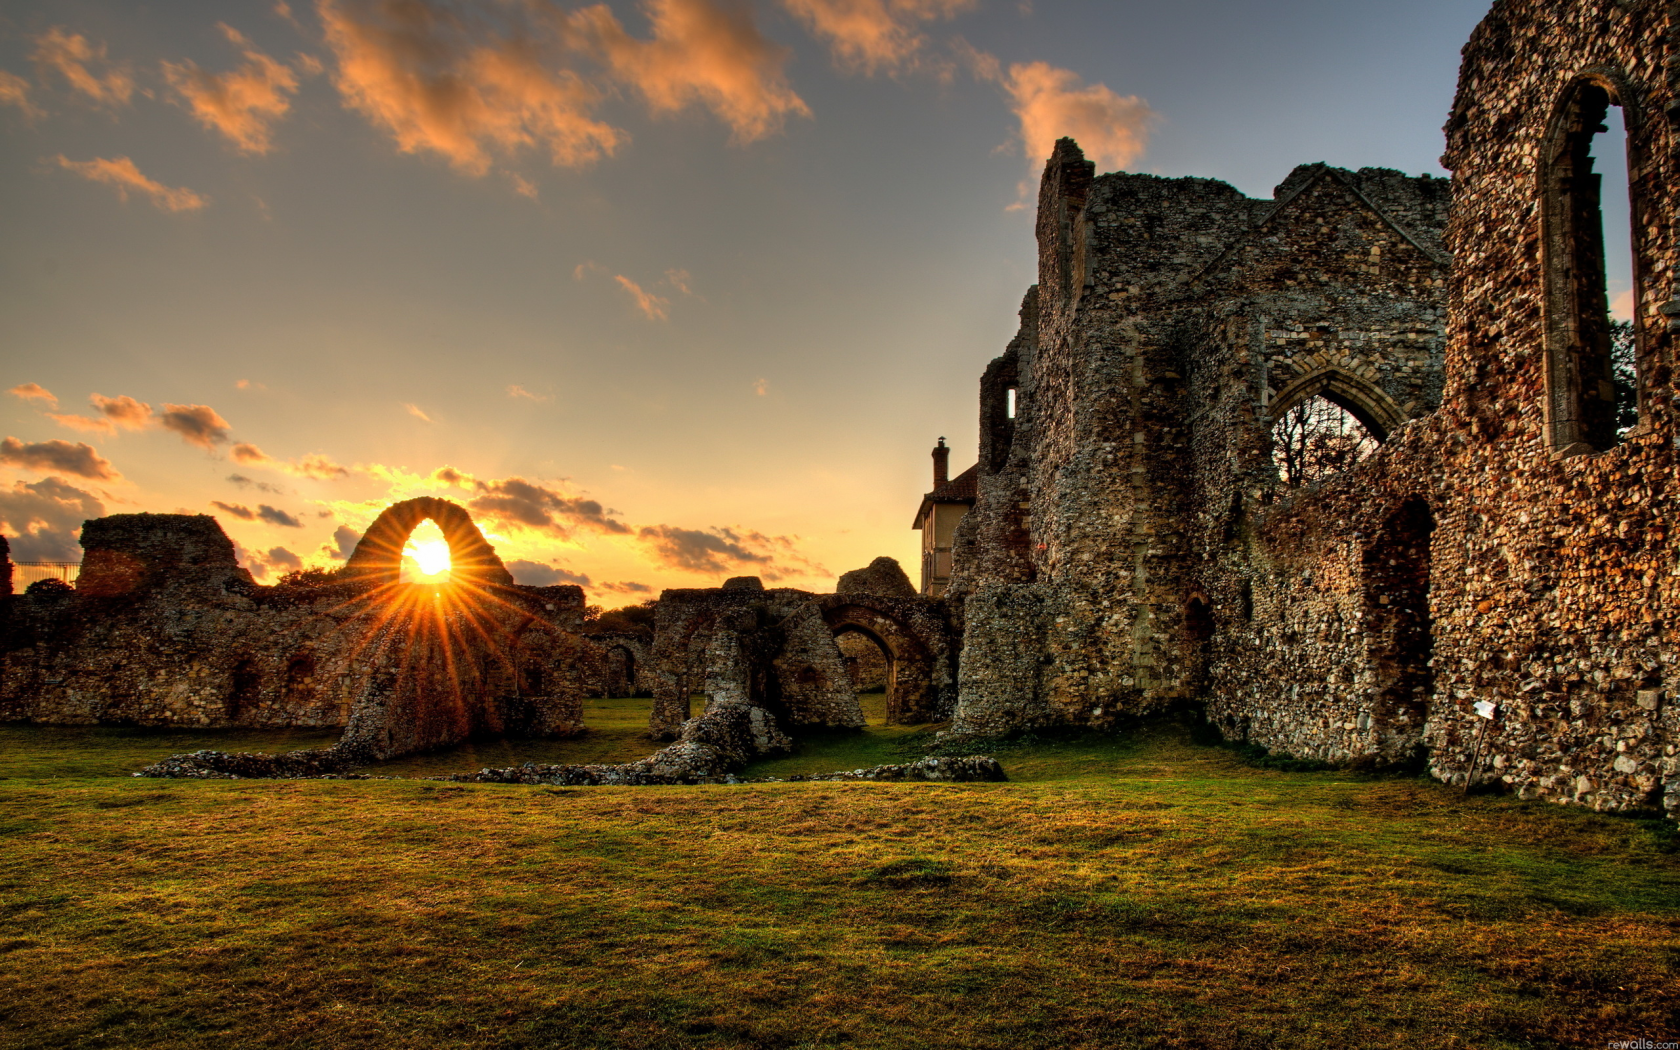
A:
x: 1143, y: 891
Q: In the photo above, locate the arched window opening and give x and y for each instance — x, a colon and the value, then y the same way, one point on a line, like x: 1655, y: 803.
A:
x: 246, y: 690
x: 1592, y: 379
x: 869, y: 666
x: 1317, y: 438
x: 300, y: 679
x: 425, y: 555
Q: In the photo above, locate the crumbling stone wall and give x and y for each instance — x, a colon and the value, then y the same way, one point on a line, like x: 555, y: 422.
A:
x: 776, y: 649
x: 1497, y: 547
x: 165, y: 628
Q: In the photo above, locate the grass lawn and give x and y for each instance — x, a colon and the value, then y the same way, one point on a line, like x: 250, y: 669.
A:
x: 1138, y: 891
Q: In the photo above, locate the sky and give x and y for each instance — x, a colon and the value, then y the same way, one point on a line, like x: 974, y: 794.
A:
x: 663, y: 292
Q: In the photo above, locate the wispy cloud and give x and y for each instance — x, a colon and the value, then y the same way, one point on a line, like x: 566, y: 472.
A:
x: 276, y: 516
x: 453, y: 81
x: 702, y: 54
x: 718, y: 551
x: 653, y: 307
x: 244, y: 482
x: 520, y: 504
x: 58, y: 457
x: 120, y: 412
x: 70, y: 55
x: 873, y: 35
x: 518, y: 392
x: 417, y: 412
x: 41, y: 519
x: 198, y: 425
x: 237, y: 510
x: 761, y: 387
x: 14, y: 91
x: 34, y: 392
x: 314, y: 465
x: 243, y: 104
x: 122, y: 173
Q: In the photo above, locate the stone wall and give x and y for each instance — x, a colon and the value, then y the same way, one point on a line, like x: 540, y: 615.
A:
x: 1501, y: 546
x: 165, y: 628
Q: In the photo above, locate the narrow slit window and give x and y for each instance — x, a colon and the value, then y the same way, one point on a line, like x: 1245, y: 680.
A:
x: 1009, y: 409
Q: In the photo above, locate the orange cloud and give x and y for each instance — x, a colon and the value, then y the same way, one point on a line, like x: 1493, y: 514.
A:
x: 41, y: 519
x: 699, y: 53
x: 417, y: 412
x: 516, y: 391
x: 314, y: 465
x: 58, y: 457
x: 761, y: 387
x: 34, y: 392
x: 121, y: 173
x: 243, y: 104
x: 1050, y: 103
x: 70, y: 54
x: 114, y: 412
x: 197, y: 424
x: 655, y: 307
x: 872, y: 35
x: 440, y: 83
x: 14, y: 91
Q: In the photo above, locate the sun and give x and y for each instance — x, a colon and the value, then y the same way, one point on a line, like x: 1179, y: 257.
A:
x: 426, y: 555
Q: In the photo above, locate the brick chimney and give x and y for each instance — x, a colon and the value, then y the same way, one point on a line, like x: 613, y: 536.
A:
x: 941, y: 464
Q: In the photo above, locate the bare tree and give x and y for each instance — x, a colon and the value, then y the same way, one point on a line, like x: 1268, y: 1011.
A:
x: 1624, y: 375
x: 1318, y: 438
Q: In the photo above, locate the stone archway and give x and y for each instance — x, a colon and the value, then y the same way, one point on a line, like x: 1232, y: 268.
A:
x: 378, y: 556
x: 1375, y: 410
x: 911, y: 694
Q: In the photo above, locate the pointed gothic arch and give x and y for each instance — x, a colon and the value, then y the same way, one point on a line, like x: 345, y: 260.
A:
x: 1375, y: 410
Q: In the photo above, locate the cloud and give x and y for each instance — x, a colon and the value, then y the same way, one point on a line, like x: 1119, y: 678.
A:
x: 584, y: 269
x: 450, y: 80
x: 514, y: 390
x: 197, y: 424
x: 626, y: 587
x: 873, y: 35
x: 242, y: 481
x: 761, y: 387
x: 34, y: 392
x: 448, y: 475
x: 121, y: 173
x: 523, y: 186
x: 276, y: 516
x: 720, y: 551
x: 521, y: 504
x: 243, y: 104
x: 536, y: 574
x: 277, y: 560
x: 417, y: 413
x: 238, y: 510
x: 344, y: 543
x: 114, y: 412
x: 700, y: 53
x: 42, y: 519
x: 681, y: 280
x: 1051, y: 103
x: 14, y: 91
x: 314, y: 465
x: 70, y: 54
x: 58, y: 457
x: 654, y: 307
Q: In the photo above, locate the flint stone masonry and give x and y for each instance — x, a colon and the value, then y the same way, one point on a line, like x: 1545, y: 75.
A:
x: 1133, y: 548
x: 165, y: 628
x: 776, y: 649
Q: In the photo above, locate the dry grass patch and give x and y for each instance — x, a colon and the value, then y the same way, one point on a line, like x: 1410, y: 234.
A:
x: 1141, y: 892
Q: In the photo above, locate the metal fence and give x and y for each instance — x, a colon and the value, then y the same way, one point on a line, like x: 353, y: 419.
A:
x: 25, y: 573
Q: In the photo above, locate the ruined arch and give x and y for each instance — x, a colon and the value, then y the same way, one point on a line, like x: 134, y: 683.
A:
x: 912, y: 694
x: 619, y: 678
x: 378, y: 556
x: 1580, y: 411
x: 1375, y: 410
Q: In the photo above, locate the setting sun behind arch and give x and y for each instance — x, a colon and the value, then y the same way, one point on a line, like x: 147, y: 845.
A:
x: 425, y: 557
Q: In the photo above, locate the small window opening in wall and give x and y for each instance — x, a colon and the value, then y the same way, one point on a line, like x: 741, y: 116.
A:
x: 1009, y: 409
x: 1592, y: 278
x: 1318, y: 438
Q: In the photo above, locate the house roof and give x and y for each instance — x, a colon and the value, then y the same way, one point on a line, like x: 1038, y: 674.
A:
x: 964, y: 488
